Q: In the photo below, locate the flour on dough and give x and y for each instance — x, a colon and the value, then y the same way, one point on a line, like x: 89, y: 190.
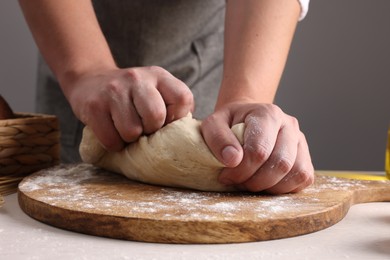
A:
x: 174, y: 156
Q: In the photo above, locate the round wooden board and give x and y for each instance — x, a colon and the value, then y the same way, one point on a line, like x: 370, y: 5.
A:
x: 89, y: 200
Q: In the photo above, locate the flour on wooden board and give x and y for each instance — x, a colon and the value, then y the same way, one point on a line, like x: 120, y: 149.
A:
x: 74, y: 187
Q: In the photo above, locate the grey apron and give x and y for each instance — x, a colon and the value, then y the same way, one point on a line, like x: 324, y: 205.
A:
x: 183, y: 36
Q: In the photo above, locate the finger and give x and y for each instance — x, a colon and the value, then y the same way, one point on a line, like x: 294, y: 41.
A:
x: 150, y: 106
x: 126, y: 120
x: 177, y: 96
x: 301, y: 174
x: 259, y: 140
x: 123, y: 113
x: 221, y: 140
x: 280, y: 162
x: 105, y: 131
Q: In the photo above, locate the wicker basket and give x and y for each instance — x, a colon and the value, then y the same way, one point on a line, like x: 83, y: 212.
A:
x: 28, y: 142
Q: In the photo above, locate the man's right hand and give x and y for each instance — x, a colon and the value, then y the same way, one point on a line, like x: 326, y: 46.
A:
x: 121, y: 104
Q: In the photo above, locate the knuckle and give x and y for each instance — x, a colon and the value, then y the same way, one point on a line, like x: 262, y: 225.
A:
x: 258, y: 153
x: 185, y: 98
x: 209, y: 121
x: 158, y: 69
x: 134, y: 133
x: 274, y: 114
x: 294, y: 122
x: 153, y: 120
x: 274, y: 110
x: 309, y: 180
x: 283, y: 165
x: 305, y: 176
x: 158, y: 117
x: 309, y: 176
x: 133, y: 75
x: 114, y: 87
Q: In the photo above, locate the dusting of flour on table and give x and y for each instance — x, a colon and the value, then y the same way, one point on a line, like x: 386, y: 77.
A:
x: 89, y: 189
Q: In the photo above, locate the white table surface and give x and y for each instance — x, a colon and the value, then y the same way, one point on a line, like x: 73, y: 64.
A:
x: 363, y: 234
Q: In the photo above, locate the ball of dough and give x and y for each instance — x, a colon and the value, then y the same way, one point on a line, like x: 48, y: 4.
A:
x: 175, y: 156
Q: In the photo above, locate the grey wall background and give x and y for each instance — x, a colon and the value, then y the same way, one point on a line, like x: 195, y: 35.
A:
x: 337, y: 82
x: 337, y: 79
x: 18, y: 58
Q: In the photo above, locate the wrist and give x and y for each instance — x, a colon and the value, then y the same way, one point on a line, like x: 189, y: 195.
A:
x: 241, y: 92
x: 68, y: 78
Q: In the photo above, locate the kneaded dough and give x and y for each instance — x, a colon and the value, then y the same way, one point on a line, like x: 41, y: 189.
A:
x: 174, y: 156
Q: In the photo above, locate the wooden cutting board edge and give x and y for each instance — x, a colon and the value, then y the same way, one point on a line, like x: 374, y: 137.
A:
x: 206, y: 231
x: 145, y: 230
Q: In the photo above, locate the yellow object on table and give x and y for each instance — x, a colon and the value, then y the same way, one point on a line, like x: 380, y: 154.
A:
x: 354, y: 175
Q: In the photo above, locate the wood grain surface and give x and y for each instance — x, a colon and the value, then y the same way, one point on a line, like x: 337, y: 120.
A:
x: 89, y: 200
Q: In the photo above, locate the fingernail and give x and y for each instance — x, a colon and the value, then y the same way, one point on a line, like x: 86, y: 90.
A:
x: 229, y: 154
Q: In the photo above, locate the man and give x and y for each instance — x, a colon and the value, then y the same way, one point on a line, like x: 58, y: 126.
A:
x: 102, y: 53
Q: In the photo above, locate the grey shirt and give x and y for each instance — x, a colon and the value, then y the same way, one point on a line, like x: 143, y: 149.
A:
x: 183, y: 36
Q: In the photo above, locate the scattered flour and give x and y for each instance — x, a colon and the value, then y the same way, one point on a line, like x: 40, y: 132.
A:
x: 80, y: 188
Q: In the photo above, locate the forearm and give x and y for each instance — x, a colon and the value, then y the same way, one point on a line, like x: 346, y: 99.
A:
x: 258, y: 35
x: 68, y: 36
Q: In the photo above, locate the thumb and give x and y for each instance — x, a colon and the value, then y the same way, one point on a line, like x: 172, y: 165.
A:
x: 222, y: 142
